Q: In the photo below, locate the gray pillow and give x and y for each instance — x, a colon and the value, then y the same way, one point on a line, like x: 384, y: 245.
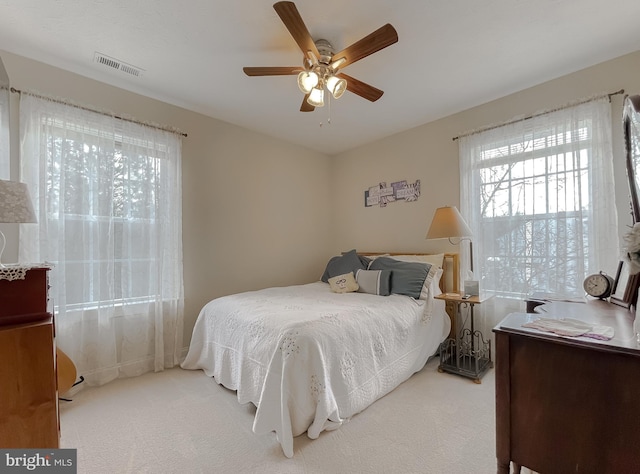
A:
x: 407, y: 278
x: 375, y: 282
x: 348, y: 262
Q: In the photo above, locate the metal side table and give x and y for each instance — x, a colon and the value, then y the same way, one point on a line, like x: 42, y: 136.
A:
x: 467, y: 353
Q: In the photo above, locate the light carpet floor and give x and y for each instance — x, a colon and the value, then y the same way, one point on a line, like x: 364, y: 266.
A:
x: 181, y: 421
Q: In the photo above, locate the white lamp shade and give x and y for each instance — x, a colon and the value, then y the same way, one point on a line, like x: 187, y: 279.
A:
x: 336, y: 86
x: 316, y: 97
x: 307, y: 80
x: 447, y: 222
x: 15, y: 203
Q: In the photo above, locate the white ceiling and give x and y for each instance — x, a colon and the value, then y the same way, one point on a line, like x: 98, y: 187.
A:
x: 451, y: 54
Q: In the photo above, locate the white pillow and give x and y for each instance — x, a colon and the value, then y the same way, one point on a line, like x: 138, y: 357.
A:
x: 435, y: 283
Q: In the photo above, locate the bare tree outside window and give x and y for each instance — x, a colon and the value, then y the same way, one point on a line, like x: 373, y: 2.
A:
x: 532, y: 194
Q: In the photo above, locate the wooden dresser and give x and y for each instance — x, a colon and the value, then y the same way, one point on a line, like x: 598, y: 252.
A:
x: 568, y: 404
x: 28, y: 380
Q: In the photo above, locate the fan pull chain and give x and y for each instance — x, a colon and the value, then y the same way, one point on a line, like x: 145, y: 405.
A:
x: 329, y: 108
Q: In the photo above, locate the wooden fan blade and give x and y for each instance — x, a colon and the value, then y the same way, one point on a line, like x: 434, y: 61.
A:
x: 271, y: 71
x: 291, y: 18
x: 306, y: 106
x: 360, y: 88
x: 379, y: 39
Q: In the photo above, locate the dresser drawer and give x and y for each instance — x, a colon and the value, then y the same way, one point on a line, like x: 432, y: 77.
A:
x: 23, y: 301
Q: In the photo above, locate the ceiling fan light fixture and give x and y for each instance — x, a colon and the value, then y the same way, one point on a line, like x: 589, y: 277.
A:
x: 336, y: 86
x: 307, y: 80
x: 316, y: 97
x: 320, y: 63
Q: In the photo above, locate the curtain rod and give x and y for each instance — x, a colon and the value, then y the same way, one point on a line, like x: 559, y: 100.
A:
x: 537, y: 114
x: 65, y: 102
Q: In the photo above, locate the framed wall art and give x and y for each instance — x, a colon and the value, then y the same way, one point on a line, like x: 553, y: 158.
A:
x: 382, y: 194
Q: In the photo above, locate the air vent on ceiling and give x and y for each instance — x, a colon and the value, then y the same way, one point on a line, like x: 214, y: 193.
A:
x: 117, y: 64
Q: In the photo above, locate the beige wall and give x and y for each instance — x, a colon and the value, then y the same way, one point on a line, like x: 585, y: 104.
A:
x: 429, y: 154
x: 255, y: 210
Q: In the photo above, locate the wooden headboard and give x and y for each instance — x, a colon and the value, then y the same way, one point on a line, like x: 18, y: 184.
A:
x: 449, y: 283
x: 451, y: 267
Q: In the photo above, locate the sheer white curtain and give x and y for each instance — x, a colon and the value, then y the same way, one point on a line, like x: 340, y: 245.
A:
x: 538, y: 196
x: 4, y: 130
x: 107, y: 194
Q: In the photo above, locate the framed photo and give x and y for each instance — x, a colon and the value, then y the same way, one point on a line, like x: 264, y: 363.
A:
x: 625, y: 286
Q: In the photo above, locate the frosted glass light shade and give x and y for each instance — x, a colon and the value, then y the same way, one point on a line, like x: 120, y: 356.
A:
x: 307, y: 80
x: 336, y: 86
x: 316, y: 97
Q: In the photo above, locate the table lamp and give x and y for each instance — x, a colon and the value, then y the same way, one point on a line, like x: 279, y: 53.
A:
x: 15, y: 207
x: 448, y: 223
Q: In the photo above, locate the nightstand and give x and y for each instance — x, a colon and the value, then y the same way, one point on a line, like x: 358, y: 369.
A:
x: 467, y: 353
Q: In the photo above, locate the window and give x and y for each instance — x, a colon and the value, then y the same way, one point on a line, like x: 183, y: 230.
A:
x: 107, y: 194
x: 110, y: 197
x: 542, y: 184
x: 534, y: 193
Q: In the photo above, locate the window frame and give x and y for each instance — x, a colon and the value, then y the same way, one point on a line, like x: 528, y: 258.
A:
x: 582, y: 132
x: 95, y: 302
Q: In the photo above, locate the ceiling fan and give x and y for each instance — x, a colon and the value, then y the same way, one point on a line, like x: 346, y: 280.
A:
x: 321, y: 66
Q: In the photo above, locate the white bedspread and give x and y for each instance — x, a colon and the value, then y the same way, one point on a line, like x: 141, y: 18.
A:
x: 308, y: 358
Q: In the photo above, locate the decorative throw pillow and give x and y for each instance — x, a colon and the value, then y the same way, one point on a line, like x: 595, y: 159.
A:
x: 375, y: 282
x: 348, y: 262
x: 343, y: 283
x: 407, y: 278
x: 437, y: 261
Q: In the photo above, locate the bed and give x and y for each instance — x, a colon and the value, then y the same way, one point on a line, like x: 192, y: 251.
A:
x: 311, y: 356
